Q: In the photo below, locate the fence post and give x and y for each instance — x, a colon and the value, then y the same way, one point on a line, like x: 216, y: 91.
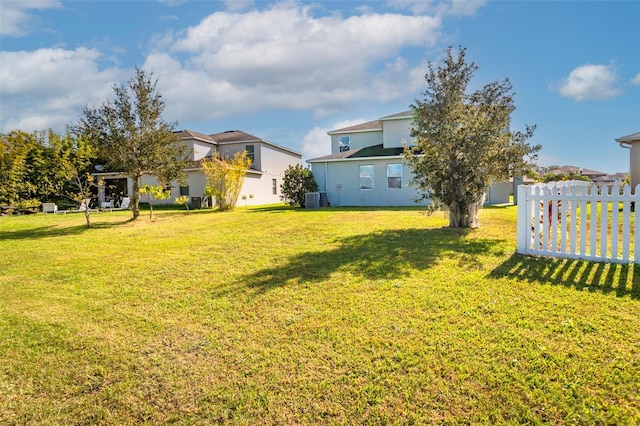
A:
x: 636, y: 231
x: 523, y: 220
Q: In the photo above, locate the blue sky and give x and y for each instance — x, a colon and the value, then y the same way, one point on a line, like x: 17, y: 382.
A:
x: 289, y: 71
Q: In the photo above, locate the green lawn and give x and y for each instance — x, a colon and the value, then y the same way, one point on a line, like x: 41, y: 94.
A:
x: 283, y: 316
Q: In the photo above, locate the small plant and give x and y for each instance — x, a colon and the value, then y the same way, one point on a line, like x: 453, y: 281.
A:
x: 154, y: 193
x: 28, y: 206
x: 183, y: 200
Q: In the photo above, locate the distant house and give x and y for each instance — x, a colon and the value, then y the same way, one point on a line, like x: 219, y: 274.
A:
x: 599, y: 178
x: 366, y: 166
x: 262, y: 183
x: 567, y: 170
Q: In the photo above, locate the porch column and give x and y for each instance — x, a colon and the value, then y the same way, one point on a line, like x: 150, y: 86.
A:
x: 101, y: 196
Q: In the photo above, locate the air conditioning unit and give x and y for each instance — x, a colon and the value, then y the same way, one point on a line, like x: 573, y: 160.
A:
x: 324, y: 201
x: 312, y: 200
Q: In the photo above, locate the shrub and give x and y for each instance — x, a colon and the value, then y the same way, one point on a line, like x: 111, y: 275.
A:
x: 297, y: 182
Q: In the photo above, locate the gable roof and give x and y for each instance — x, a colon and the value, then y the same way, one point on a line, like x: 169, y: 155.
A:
x: 190, y: 134
x: 372, y: 126
x: 369, y: 126
x: 234, y: 136
x: 399, y: 115
x: 230, y: 137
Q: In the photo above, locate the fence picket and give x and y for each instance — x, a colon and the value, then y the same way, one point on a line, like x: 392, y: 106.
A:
x: 572, y: 219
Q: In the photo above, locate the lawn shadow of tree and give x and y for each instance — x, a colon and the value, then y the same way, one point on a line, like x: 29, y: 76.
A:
x: 621, y: 279
x: 59, y: 231
x: 382, y: 255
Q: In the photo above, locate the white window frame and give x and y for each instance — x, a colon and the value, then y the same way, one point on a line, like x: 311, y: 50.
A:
x: 394, y: 175
x: 366, y: 174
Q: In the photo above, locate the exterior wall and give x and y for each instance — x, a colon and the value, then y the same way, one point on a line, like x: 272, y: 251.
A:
x: 229, y: 150
x: 200, y: 150
x: 341, y: 181
x: 396, y: 131
x: 358, y: 140
x: 258, y: 184
x: 635, y: 164
x: 499, y: 193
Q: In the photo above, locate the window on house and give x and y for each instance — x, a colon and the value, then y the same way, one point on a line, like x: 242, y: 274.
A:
x: 250, y: 153
x: 394, y: 176
x: 344, y: 143
x: 274, y: 186
x: 184, y: 190
x: 366, y: 177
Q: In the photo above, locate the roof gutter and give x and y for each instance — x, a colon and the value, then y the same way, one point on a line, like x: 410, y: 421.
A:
x: 626, y: 145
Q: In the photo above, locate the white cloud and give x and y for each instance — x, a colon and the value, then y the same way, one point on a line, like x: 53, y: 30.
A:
x: 636, y: 80
x: 285, y: 58
x: 441, y: 8
x: 317, y: 142
x: 280, y: 58
x: 590, y: 82
x: 16, y: 16
x: 53, y: 95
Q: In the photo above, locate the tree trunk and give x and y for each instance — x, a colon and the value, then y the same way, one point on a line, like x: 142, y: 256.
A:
x: 464, y: 216
x: 87, y: 216
x: 135, y: 197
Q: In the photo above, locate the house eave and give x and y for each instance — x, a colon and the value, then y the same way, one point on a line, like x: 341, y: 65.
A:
x: 346, y: 132
x: 338, y: 160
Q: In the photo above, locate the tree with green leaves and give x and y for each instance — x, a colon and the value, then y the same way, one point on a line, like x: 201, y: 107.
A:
x: 130, y: 134
x: 15, y: 148
x: 297, y: 182
x: 462, y: 141
x: 154, y: 192
x: 225, y: 178
x: 34, y: 166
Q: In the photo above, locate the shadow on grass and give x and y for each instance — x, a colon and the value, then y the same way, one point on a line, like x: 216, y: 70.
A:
x: 276, y: 208
x: 621, y: 279
x: 383, y: 255
x: 58, y: 231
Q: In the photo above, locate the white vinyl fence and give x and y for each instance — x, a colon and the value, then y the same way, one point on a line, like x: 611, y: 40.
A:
x: 578, y: 220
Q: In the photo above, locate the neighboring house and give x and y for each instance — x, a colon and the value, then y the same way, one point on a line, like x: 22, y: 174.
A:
x: 366, y: 166
x: 262, y: 183
x: 632, y: 143
x: 566, y: 170
x: 599, y: 178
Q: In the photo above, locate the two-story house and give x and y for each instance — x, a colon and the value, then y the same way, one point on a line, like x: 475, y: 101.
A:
x: 262, y: 183
x: 366, y: 166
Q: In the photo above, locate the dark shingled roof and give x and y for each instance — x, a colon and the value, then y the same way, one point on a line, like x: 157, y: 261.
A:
x: 231, y: 136
x: 366, y: 152
x: 188, y: 134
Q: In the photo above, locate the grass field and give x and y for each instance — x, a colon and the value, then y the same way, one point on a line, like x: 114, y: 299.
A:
x: 282, y: 316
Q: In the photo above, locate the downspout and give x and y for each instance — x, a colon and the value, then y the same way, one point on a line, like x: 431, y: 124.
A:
x: 326, y: 170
